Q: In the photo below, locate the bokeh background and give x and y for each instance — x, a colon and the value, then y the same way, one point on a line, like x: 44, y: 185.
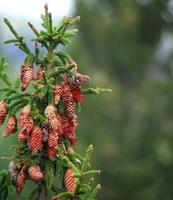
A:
x: 126, y: 45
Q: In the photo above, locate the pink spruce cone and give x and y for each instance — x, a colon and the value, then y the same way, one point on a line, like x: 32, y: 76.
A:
x: 26, y: 130
x: 3, y: 111
x: 70, y: 182
x: 35, y: 173
x: 23, y: 117
x: 26, y: 75
x: 20, y: 181
x: 11, y: 126
x: 53, y: 139
x: 35, y: 141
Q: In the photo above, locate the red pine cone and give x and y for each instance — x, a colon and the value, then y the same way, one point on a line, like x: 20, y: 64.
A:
x: 35, y: 141
x: 51, y: 152
x: 11, y: 126
x: 26, y: 76
x: 77, y: 95
x: 70, y: 182
x: 50, y: 112
x: 54, y: 123
x: 3, y: 111
x: 70, y: 108
x: 35, y: 173
x: 57, y: 94
x: 26, y: 130
x: 69, y: 130
x: 20, y: 181
x: 23, y: 117
x: 53, y: 139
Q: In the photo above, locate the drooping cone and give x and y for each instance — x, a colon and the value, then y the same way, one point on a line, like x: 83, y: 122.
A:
x: 20, y: 181
x: 26, y: 130
x: 35, y: 173
x: 12, y: 171
x: 3, y: 111
x: 70, y: 182
x: 53, y: 139
x: 57, y: 94
x: 35, y: 142
x: 54, y: 124
x: 50, y: 112
x: 11, y: 126
x: 26, y: 76
x: 51, y: 152
x: 69, y: 130
x: 23, y: 117
x: 70, y: 108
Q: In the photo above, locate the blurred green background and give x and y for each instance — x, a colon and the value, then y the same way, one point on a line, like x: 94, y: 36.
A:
x: 127, y: 46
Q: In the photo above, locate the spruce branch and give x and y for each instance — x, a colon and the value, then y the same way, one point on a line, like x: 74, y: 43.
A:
x: 21, y: 43
x: 96, y: 90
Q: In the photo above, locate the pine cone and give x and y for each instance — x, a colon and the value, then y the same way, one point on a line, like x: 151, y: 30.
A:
x: 54, y: 123
x: 20, y: 181
x: 70, y: 108
x: 23, y: 117
x: 12, y: 171
x: 35, y: 173
x: 50, y: 112
x: 51, y: 152
x: 57, y: 94
x: 45, y: 131
x: 11, y: 126
x: 53, y: 139
x: 26, y: 76
x: 69, y: 130
x: 35, y: 142
x: 3, y: 111
x: 70, y: 182
x: 26, y: 130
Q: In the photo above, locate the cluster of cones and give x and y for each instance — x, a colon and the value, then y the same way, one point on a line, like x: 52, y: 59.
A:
x: 48, y: 135
x: 20, y: 172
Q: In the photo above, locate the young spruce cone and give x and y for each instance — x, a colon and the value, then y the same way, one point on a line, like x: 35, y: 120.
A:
x: 3, y: 111
x: 53, y: 139
x: 51, y: 152
x: 26, y: 130
x: 35, y: 173
x: 23, y: 117
x: 35, y: 142
x: 20, y: 181
x: 11, y: 126
x: 26, y: 76
x: 70, y: 182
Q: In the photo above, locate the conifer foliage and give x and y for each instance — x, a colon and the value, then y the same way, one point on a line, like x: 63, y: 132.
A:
x: 41, y: 109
